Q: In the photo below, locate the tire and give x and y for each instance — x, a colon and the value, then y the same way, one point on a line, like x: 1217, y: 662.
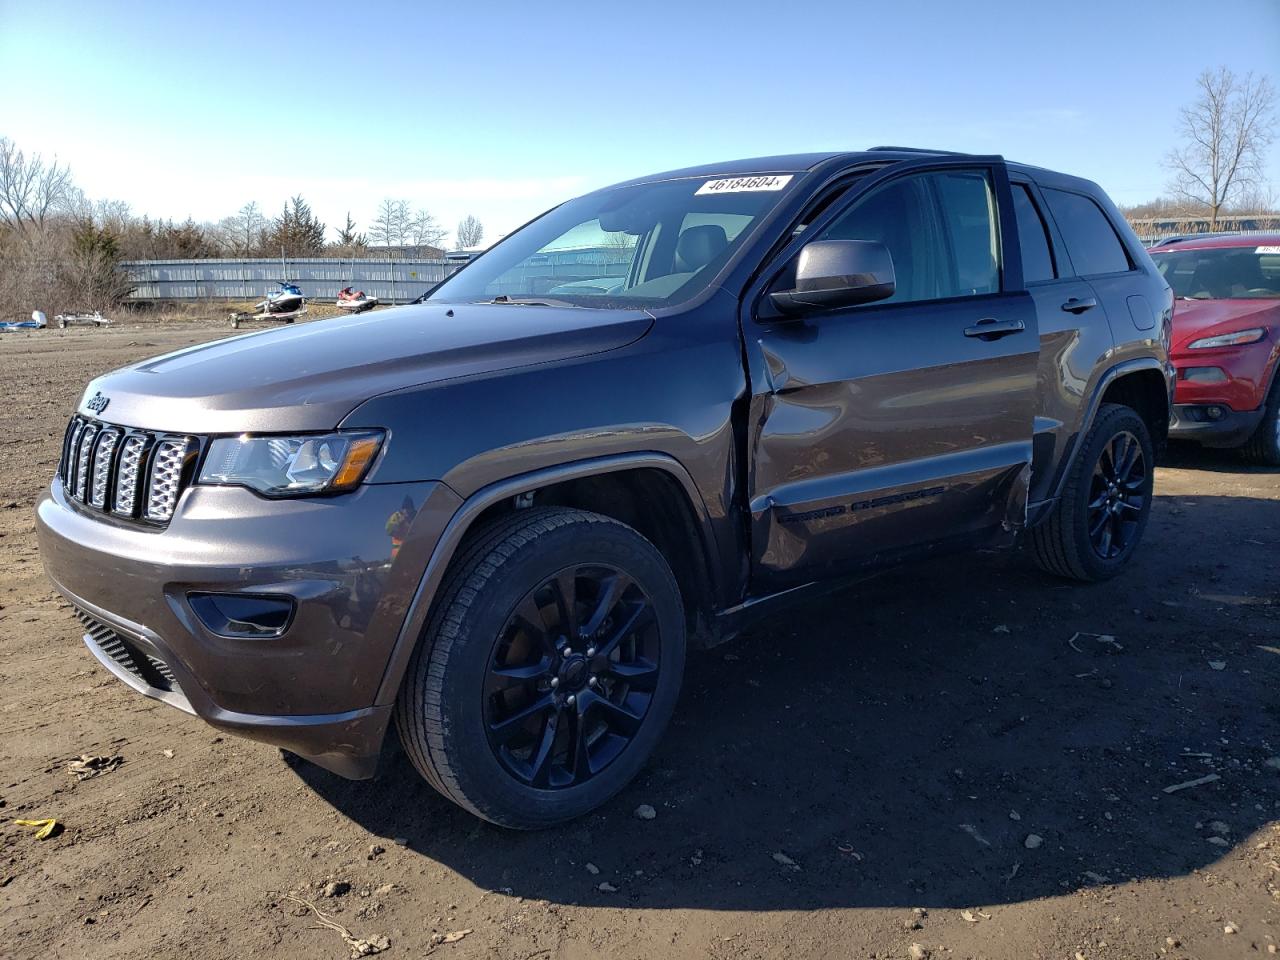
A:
x: 1064, y: 544
x: 1263, y: 447
x: 452, y: 720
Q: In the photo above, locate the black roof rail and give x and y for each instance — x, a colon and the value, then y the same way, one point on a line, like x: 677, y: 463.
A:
x: 948, y: 153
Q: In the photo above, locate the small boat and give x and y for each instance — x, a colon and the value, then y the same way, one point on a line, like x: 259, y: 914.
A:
x: 37, y: 322
x: 355, y: 301
x: 283, y: 306
x: 288, y: 299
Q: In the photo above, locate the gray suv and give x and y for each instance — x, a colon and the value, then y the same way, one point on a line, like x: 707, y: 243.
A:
x: 499, y: 517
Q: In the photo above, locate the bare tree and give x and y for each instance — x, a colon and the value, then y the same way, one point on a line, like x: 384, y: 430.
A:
x: 470, y: 232
x: 1225, y: 135
x: 113, y: 216
x: 390, y: 224
x: 424, y: 231
x: 241, y: 233
x: 31, y: 191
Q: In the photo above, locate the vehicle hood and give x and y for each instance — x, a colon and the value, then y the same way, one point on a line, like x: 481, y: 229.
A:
x: 1193, y: 319
x: 309, y: 376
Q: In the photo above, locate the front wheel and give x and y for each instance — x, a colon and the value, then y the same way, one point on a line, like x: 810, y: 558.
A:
x: 549, y: 669
x: 1099, y: 520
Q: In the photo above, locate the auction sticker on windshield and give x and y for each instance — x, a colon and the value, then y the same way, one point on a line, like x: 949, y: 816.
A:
x: 1257, y: 250
x: 744, y: 184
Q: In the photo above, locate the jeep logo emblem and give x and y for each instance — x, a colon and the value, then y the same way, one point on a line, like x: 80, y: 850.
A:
x: 97, y: 403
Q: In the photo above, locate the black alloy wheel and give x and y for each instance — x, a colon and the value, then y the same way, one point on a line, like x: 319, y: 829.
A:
x: 1117, y: 495
x: 548, y: 670
x: 1093, y: 529
x: 572, y: 675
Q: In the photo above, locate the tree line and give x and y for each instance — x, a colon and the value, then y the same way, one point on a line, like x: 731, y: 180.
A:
x: 60, y: 250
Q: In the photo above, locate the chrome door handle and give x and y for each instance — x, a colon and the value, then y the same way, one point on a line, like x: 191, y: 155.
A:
x: 1080, y: 304
x: 992, y: 329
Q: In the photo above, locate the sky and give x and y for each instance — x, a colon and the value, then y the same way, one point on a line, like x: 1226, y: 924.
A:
x: 502, y: 110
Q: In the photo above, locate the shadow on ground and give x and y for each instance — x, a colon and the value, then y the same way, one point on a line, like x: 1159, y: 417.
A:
x: 899, y: 742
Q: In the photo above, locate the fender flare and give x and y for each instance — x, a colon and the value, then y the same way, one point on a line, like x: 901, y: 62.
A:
x: 455, y: 530
x: 1095, y: 401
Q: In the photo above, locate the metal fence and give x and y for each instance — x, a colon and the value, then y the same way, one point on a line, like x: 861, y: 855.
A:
x: 1151, y: 229
x: 391, y: 281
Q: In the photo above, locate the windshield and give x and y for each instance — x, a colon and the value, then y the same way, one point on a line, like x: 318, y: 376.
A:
x: 1224, y: 273
x: 649, y: 244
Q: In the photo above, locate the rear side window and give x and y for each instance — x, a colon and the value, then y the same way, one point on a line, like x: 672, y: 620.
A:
x: 1091, y: 240
x: 1033, y: 237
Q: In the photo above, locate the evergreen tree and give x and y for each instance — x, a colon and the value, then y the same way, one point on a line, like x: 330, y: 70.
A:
x: 296, y: 231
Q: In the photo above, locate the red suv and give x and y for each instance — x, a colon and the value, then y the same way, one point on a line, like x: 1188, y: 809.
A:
x: 1226, y: 341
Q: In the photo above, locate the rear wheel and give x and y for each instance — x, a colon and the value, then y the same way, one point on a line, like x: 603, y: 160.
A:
x: 549, y: 669
x: 1099, y: 520
x: 1264, y: 446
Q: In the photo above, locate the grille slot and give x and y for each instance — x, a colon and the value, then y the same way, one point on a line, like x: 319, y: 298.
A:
x: 166, y: 474
x: 152, y: 671
x: 102, y: 457
x: 83, y: 456
x: 132, y: 474
x: 132, y: 452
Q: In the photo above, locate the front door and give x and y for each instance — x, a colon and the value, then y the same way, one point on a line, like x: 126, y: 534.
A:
x: 885, y: 428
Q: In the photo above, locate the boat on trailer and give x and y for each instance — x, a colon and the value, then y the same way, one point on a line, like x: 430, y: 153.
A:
x: 355, y: 301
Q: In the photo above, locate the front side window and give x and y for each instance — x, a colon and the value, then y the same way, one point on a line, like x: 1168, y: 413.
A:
x: 643, y: 245
x: 1225, y: 273
x: 1091, y: 240
x: 940, y: 229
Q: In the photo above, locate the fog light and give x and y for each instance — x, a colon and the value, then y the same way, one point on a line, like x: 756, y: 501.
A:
x: 1204, y: 374
x: 1214, y: 413
x: 243, y: 616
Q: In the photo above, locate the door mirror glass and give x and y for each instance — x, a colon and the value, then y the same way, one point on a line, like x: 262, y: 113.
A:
x: 837, y: 273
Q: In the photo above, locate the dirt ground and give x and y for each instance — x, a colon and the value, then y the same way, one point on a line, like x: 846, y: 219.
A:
x: 963, y: 756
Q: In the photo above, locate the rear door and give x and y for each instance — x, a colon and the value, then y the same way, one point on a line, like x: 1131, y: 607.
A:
x: 1074, y: 335
x: 886, y: 428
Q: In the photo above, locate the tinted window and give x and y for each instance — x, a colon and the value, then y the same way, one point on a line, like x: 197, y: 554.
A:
x: 939, y: 229
x: 1088, y: 234
x: 1033, y: 238
x: 969, y: 227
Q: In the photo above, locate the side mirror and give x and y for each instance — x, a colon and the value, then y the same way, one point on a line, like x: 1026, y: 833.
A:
x: 838, y: 273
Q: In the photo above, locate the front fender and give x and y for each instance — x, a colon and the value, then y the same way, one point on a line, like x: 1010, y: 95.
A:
x: 451, y: 537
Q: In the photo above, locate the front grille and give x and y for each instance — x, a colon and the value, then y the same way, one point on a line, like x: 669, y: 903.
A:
x: 150, y: 670
x: 134, y: 474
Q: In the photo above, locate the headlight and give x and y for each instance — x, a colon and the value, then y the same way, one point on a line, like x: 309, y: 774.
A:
x: 1252, y: 335
x: 291, y: 466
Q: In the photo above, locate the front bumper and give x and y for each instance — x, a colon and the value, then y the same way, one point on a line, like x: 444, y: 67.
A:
x: 1213, y: 424
x: 351, y: 564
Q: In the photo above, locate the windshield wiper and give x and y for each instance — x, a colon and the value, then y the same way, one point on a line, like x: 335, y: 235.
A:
x: 528, y: 301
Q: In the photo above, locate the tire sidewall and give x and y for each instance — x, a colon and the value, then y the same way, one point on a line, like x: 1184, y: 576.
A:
x: 1268, y: 443
x: 1110, y: 423
x: 478, y: 772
